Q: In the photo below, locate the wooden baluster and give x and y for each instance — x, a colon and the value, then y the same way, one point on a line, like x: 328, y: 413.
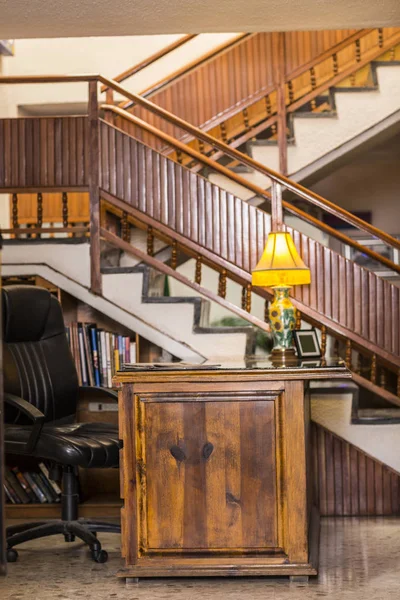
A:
x: 15, y: 223
x: 245, y: 114
x: 247, y: 298
x: 323, y: 341
x: 313, y: 81
x: 335, y: 64
x: 179, y: 156
x: 359, y: 364
x: 65, y: 209
x: 348, y: 355
x: 150, y: 241
x: 373, y: 369
x: 222, y: 284
x: 109, y: 115
x: 244, y: 298
x: 358, y: 59
x: 174, y: 255
x: 125, y: 227
x: 336, y: 348
x: 224, y: 135
x: 291, y: 91
x: 197, y: 277
x: 268, y: 108
x: 201, y: 146
x: 266, y: 311
x: 382, y: 378
x: 392, y: 55
x: 39, y: 212
x: 380, y: 37
x: 298, y: 320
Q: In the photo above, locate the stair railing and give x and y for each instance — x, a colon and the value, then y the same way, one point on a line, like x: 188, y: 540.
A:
x: 148, y: 61
x: 283, y: 181
x: 267, y: 109
x: 92, y: 182
x: 369, y: 371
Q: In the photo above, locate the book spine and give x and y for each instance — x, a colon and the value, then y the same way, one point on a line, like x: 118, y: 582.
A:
x: 16, y: 487
x: 74, y: 331
x: 39, y: 494
x: 82, y: 356
x: 95, y: 352
x: 53, y: 483
x: 89, y: 354
x: 11, y: 494
x: 50, y: 493
x: 108, y: 358
x: 42, y: 487
x: 132, y: 352
x: 121, y: 351
x: 100, y: 351
x: 127, y: 343
x: 24, y: 484
x: 103, y: 358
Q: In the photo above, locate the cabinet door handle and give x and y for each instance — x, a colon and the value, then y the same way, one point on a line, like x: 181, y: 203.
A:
x: 207, y: 450
x: 177, y: 453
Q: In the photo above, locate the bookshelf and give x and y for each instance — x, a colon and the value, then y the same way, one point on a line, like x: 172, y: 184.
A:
x: 99, y: 487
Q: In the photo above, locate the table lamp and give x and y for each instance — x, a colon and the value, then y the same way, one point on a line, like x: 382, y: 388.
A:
x: 281, y: 267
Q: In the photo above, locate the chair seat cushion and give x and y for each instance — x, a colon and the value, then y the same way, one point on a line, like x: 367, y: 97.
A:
x: 79, y: 444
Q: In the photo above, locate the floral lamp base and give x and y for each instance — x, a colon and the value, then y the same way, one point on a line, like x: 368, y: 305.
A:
x: 282, y: 318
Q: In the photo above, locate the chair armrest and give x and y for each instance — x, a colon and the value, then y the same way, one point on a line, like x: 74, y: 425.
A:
x: 33, y: 414
x: 93, y: 391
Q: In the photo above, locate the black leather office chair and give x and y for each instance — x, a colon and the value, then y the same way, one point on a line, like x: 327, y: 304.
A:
x: 41, y: 394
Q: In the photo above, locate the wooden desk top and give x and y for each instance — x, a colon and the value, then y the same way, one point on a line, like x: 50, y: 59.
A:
x: 251, y: 367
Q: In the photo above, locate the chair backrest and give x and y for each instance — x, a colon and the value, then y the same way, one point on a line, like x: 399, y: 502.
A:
x: 37, y: 362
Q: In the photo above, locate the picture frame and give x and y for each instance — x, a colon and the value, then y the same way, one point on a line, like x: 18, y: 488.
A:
x: 307, y: 344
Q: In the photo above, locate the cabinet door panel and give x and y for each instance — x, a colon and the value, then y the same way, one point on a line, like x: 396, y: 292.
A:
x: 210, y: 475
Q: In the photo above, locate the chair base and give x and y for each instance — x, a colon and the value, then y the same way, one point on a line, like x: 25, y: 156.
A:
x: 84, y: 529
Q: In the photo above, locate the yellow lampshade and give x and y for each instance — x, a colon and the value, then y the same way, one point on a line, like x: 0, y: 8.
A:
x: 280, y: 263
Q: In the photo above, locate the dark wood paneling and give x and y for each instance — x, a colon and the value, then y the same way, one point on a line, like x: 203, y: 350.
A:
x: 347, y: 482
x: 43, y: 152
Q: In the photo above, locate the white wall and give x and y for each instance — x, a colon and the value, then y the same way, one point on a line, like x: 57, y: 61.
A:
x: 369, y: 182
x: 108, y: 56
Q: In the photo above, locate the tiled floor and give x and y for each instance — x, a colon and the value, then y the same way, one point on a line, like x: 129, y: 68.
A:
x: 359, y: 559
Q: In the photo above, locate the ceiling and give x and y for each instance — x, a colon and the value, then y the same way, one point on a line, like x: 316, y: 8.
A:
x: 79, y: 18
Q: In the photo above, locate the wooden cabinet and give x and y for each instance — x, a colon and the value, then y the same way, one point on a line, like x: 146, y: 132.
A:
x: 215, y: 472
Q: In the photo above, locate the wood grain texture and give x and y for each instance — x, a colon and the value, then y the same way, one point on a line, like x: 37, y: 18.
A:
x: 214, y: 477
x: 208, y: 501
x: 230, y: 237
x: 40, y: 152
x: 347, y: 482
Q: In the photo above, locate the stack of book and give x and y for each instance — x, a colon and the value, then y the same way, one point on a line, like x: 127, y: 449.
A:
x: 98, y: 354
x: 24, y: 487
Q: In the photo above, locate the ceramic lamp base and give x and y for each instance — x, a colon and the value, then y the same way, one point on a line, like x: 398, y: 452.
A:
x: 282, y: 318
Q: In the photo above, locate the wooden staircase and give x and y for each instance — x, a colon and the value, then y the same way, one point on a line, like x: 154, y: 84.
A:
x: 348, y: 303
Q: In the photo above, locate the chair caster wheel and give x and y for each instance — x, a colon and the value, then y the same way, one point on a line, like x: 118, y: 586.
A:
x: 12, y: 555
x: 100, y: 556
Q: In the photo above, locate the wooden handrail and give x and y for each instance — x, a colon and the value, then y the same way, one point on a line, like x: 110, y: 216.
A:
x: 163, y: 268
x: 152, y: 59
x: 294, y: 187
x: 194, y: 64
x: 244, y: 277
x: 206, y: 161
x: 15, y: 79
x: 265, y: 90
x: 327, y: 54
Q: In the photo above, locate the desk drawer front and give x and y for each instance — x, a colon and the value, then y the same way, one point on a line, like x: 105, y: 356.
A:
x: 207, y: 474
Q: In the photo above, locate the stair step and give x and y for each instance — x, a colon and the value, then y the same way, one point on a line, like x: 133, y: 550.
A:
x: 377, y: 416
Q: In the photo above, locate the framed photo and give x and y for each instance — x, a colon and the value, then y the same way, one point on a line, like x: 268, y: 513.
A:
x: 306, y: 342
